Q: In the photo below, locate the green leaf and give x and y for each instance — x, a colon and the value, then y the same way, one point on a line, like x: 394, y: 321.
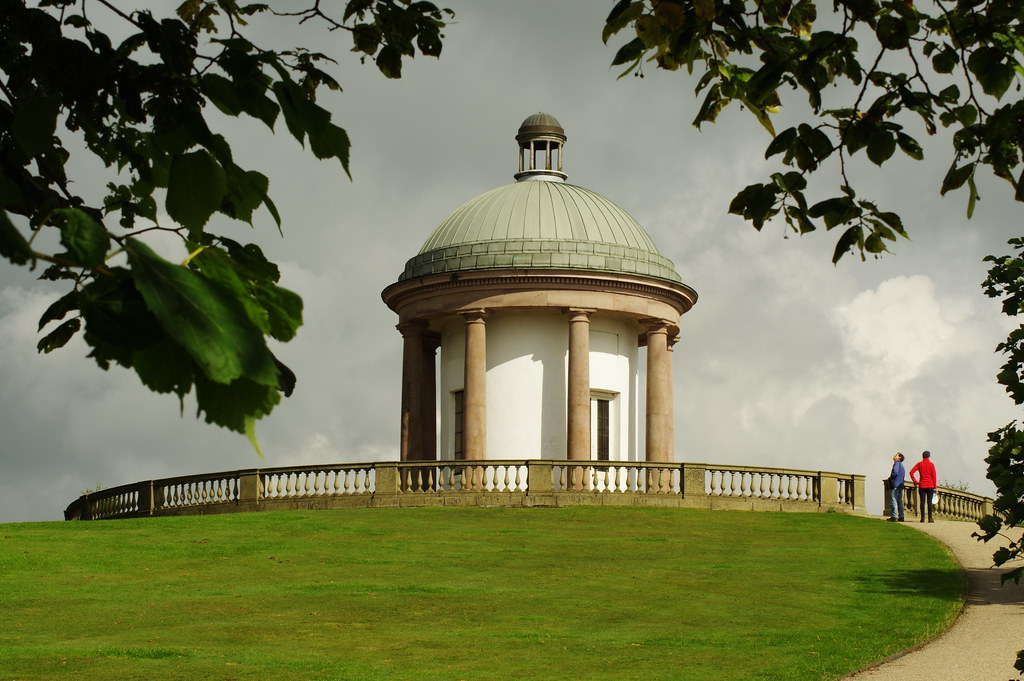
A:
x: 972, y: 197
x: 910, y: 146
x: 631, y: 51
x: 196, y: 188
x: 284, y: 310
x: 856, y: 135
x: 956, y: 176
x: 86, y: 239
x: 705, y: 9
x: 881, y: 145
x: 989, y: 66
x: 329, y: 141
x: 756, y: 203
x: 35, y: 123
x: 850, y: 239
x: 222, y: 92
x: 782, y: 142
x: 365, y: 38
x: 817, y: 141
x: 243, y: 271
x: 233, y: 405
x: 250, y: 434
x: 59, y: 308
x: 59, y: 337
x: 389, y: 62
x: 13, y: 245
x: 802, y: 17
x: 624, y: 12
x: 164, y: 367
x: 835, y: 211
x: 207, y: 321
x: 946, y: 60
x: 246, y: 190
x: 893, y: 32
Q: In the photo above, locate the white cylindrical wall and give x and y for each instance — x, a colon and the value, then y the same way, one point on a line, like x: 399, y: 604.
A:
x: 527, y: 366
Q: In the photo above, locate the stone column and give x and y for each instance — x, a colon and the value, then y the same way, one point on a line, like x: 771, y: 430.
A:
x: 411, y: 443
x: 474, y: 403
x: 659, y: 391
x: 428, y: 399
x: 578, y: 398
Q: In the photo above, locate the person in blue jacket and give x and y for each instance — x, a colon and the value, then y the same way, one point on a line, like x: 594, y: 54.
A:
x: 896, y: 479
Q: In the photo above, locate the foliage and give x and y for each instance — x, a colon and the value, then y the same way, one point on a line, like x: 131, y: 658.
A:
x: 956, y: 485
x: 1006, y: 456
x: 145, y: 108
x: 871, y: 70
x: 875, y: 74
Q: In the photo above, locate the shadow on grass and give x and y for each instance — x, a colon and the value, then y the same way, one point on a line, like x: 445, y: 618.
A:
x: 943, y: 584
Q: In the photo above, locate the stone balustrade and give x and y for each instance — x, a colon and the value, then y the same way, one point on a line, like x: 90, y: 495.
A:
x: 481, y: 483
x: 950, y: 504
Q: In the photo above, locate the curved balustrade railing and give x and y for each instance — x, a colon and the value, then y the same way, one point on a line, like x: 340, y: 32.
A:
x: 484, y: 483
x: 950, y: 504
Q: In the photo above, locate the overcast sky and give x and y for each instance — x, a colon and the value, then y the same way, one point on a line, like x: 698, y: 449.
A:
x: 786, y: 360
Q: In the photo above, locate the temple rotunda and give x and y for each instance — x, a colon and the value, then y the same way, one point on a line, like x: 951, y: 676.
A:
x: 539, y: 295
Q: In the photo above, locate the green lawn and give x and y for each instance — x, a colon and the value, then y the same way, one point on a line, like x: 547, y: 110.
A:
x: 474, y: 594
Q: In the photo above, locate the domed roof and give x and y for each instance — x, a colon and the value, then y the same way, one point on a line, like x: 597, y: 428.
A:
x: 540, y: 222
x: 540, y: 225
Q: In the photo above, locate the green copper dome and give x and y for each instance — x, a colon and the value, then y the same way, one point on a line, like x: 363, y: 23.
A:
x: 540, y: 222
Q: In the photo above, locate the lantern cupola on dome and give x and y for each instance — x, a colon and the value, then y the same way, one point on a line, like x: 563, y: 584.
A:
x: 541, y: 149
x: 540, y: 222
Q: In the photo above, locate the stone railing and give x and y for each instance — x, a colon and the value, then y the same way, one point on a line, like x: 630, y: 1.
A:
x: 479, y: 483
x: 950, y: 504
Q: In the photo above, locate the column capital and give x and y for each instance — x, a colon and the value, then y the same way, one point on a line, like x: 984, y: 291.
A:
x: 474, y: 316
x: 412, y: 327
x: 657, y: 325
x: 576, y: 314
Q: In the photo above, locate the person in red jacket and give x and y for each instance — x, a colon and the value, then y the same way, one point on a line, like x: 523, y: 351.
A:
x: 924, y: 476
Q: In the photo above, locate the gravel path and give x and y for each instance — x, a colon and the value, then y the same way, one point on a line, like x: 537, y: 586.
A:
x: 983, y: 642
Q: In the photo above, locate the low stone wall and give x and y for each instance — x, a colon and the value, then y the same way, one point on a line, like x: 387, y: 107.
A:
x: 479, y: 483
x: 950, y: 504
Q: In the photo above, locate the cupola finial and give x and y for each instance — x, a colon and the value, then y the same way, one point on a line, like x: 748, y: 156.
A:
x: 541, y: 149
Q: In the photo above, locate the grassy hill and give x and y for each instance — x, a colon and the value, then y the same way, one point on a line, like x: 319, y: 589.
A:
x: 474, y: 594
